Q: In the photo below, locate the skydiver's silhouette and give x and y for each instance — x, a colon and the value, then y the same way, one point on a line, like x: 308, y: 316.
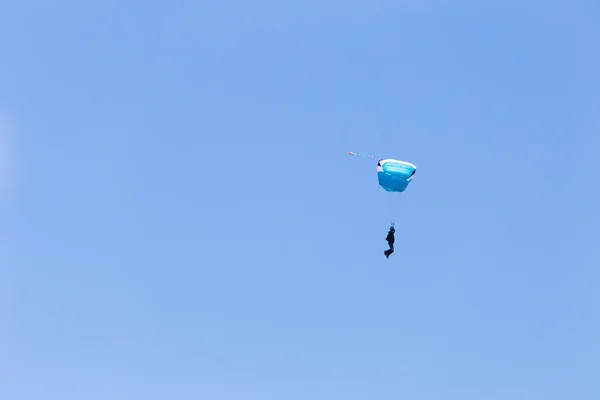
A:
x: 390, y: 239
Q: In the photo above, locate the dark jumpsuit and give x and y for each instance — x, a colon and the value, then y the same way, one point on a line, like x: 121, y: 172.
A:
x: 390, y: 239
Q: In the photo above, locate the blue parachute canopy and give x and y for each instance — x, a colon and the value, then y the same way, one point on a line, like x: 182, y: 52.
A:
x: 395, y: 175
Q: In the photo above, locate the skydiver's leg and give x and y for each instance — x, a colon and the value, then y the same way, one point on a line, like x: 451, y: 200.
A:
x: 389, y: 252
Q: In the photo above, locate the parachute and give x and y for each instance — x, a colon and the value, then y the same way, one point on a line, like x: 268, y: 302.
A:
x: 393, y: 175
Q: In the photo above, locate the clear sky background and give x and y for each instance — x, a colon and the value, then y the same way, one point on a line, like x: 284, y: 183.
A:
x: 180, y: 218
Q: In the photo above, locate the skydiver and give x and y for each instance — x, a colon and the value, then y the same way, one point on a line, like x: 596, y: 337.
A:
x: 390, y: 239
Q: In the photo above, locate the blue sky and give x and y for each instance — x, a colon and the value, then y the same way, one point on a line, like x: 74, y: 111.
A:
x: 180, y: 218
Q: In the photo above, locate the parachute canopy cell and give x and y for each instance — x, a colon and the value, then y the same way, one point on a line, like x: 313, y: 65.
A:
x: 395, y: 175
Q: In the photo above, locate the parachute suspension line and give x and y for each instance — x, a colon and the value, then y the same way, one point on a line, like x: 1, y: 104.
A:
x: 392, y: 206
x: 363, y: 155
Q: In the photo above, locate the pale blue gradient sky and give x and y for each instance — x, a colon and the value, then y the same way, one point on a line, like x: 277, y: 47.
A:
x: 180, y: 219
